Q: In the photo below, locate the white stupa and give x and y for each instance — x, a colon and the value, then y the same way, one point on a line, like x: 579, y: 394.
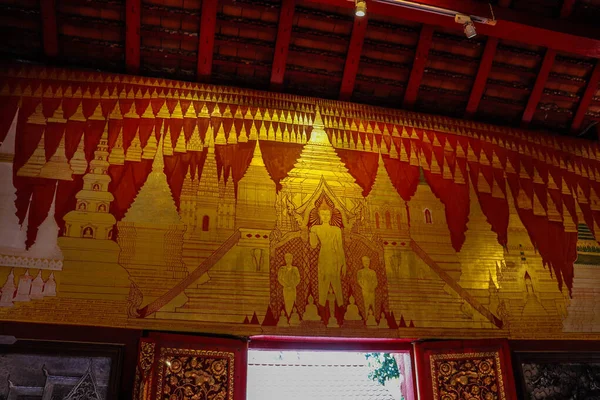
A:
x: 46, y: 242
x: 11, y: 241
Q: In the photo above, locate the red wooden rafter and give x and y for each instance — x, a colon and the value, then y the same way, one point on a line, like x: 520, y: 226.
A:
x: 558, y: 34
x: 586, y: 99
x: 49, y: 28
x: 418, y: 67
x: 132, y: 35
x: 282, y: 44
x: 538, y: 88
x: 485, y: 65
x: 567, y: 8
x: 206, y: 39
x: 353, y: 57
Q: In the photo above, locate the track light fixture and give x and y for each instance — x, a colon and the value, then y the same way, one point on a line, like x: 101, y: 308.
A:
x: 361, y: 8
x: 468, y: 25
x: 458, y: 17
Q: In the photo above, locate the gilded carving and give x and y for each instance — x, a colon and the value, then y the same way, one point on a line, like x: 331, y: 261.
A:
x: 195, y: 374
x: 467, y: 376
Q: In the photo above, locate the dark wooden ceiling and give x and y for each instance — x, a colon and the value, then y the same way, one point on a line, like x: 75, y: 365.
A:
x: 518, y: 75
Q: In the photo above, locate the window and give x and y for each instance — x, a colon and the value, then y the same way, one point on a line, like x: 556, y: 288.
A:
x: 377, y: 220
x: 205, y: 222
x: 428, y: 219
x: 329, y: 370
x: 388, y: 220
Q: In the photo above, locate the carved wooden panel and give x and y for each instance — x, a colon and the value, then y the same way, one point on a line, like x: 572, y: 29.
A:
x: 175, y: 367
x: 465, y: 370
x: 557, y: 375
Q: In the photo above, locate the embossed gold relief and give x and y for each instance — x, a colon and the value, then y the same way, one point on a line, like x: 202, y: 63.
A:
x: 195, y: 374
x: 467, y: 376
x: 143, y: 374
x: 186, y: 205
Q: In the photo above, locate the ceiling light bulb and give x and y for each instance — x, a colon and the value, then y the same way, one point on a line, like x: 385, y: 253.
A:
x: 469, y: 28
x: 361, y: 8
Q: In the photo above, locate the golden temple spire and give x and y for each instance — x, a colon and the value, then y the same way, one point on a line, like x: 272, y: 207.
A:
x: 57, y: 167
x: 257, y: 158
x: 151, y: 145
x: 134, y: 151
x: 195, y: 143
x: 78, y: 162
x: 37, y: 160
x: 117, y: 154
x: 155, y: 194
x: 318, y: 135
x: 168, y: 151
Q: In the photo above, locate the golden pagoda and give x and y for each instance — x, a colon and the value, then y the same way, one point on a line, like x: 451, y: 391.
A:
x: 481, y: 253
x: 87, y: 240
x: 57, y: 167
x: 187, y: 203
x: 387, y: 210
x: 151, y: 146
x: 151, y: 234
x: 117, y: 154
x: 34, y: 164
x: 208, y: 194
x: 195, y: 143
x: 78, y: 162
x: 134, y: 151
x: 318, y: 161
x: 91, y: 218
x: 256, y: 195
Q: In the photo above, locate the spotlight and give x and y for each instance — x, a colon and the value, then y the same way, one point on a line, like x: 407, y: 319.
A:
x: 361, y: 8
x: 468, y: 25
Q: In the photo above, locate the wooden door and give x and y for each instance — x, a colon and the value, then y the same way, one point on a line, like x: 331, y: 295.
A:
x: 467, y: 369
x: 178, y: 367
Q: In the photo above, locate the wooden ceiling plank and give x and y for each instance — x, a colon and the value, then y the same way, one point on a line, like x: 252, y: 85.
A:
x: 538, y: 88
x: 586, y: 99
x: 49, y: 28
x: 511, y: 25
x: 133, y: 22
x: 206, y: 40
x: 567, y: 8
x: 282, y: 44
x: 416, y: 73
x: 485, y: 66
x: 357, y: 39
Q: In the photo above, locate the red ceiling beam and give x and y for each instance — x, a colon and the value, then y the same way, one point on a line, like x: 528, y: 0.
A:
x: 485, y: 66
x: 133, y: 21
x: 282, y: 44
x: 567, y: 8
x: 558, y: 34
x: 416, y: 73
x: 206, y: 39
x: 353, y: 57
x: 49, y: 28
x: 538, y: 88
x: 586, y: 99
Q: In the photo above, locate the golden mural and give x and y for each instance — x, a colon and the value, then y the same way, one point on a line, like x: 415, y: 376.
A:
x: 159, y: 204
